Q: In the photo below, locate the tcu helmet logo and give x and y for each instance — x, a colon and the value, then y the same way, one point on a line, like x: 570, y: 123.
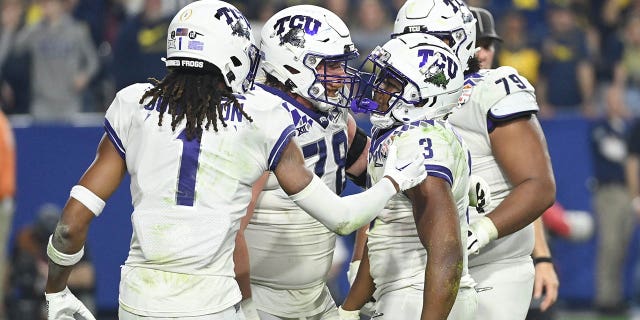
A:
x: 435, y: 73
x: 306, y: 23
x: 455, y: 4
x: 239, y: 24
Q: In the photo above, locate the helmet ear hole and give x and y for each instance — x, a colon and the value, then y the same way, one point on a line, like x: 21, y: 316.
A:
x: 230, y: 76
x: 291, y: 69
x: 236, y: 61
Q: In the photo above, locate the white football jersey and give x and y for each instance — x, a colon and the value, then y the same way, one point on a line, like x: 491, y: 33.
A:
x: 491, y: 96
x: 288, y: 249
x: 397, y: 258
x: 188, y: 199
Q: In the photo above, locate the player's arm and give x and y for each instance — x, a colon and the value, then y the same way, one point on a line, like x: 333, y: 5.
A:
x: 520, y: 149
x: 347, y: 214
x: 101, y: 179
x: 436, y: 217
x: 362, y: 288
x: 546, y: 278
x: 357, y: 154
x: 241, y: 252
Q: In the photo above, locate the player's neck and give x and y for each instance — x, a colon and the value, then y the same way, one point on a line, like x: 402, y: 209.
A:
x: 306, y: 103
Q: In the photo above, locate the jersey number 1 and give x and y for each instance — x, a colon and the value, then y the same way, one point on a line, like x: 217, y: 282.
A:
x: 188, y: 169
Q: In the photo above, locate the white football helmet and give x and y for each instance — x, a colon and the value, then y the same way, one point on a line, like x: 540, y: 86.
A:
x: 427, y: 74
x: 448, y: 20
x: 209, y: 34
x: 296, y: 40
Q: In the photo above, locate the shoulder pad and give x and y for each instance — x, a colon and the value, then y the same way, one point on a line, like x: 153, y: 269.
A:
x: 498, y: 84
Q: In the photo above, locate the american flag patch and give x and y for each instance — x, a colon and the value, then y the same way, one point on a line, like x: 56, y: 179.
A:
x: 182, y: 32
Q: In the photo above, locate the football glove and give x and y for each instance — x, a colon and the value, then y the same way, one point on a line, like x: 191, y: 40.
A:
x: 64, y: 305
x: 479, y: 193
x: 407, y: 174
x: 480, y: 233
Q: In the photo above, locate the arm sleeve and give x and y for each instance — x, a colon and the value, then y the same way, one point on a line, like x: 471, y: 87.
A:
x: 347, y: 214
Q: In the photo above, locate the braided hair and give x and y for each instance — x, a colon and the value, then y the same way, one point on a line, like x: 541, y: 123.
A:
x: 194, y: 95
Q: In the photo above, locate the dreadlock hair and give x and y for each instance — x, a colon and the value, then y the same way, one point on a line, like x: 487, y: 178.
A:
x: 194, y: 95
x: 273, y: 82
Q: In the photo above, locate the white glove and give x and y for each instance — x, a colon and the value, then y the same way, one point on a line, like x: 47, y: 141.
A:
x: 348, y: 315
x: 480, y: 232
x: 479, y: 193
x: 249, y: 309
x: 408, y: 174
x: 64, y: 305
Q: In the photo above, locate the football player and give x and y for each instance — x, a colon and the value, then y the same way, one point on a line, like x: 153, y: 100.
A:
x: 307, y: 51
x: 415, y: 265
x: 193, y: 144
x: 498, y: 122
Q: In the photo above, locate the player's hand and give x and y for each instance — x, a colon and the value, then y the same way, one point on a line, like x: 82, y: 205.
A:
x: 406, y: 174
x: 480, y: 233
x: 348, y: 315
x: 64, y: 305
x: 479, y: 192
x: 546, y: 280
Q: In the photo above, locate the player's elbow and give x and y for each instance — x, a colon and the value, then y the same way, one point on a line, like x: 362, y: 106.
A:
x: 547, y: 193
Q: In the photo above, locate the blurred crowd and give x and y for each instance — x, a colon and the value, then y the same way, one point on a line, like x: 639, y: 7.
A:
x: 62, y: 57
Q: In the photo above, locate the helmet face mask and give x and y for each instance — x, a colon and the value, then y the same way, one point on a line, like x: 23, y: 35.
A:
x: 335, y: 81
x: 308, y: 48
x: 415, y: 77
x: 209, y: 35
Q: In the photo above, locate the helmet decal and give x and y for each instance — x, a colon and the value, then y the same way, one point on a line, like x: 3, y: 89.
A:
x: 294, y: 37
x: 309, y: 24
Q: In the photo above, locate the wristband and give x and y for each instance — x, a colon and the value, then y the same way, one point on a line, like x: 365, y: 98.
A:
x: 542, y: 260
x: 88, y: 199
x: 63, y: 259
x: 348, y: 315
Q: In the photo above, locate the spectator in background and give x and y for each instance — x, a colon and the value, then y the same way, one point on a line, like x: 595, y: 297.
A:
x: 518, y: 49
x: 339, y: 7
x: 140, y: 45
x: 14, y: 67
x: 567, y: 80
x: 30, y: 265
x: 7, y: 193
x: 627, y: 70
x: 611, y: 203
x: 372, y: 27
x: 63, y: 61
